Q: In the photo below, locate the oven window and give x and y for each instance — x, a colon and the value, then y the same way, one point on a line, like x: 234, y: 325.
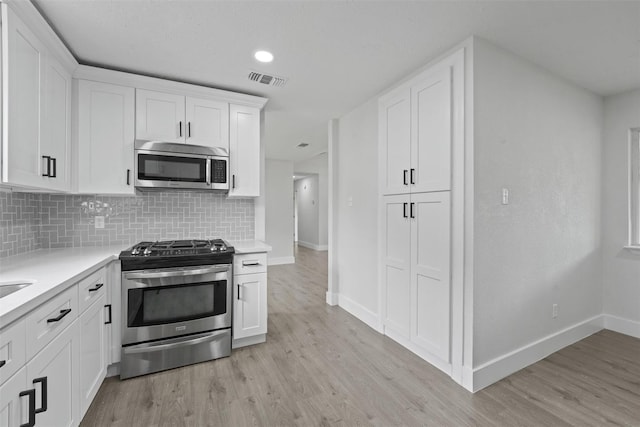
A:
x: 169, y: 304
x: 171, y: 168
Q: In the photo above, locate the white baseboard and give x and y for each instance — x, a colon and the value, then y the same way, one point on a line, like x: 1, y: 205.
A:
x: 505, y: 365
x: 313, y: 246
x: 281, y: 260
x: 362, y: 313
x: 622, y: 325
x: 332, y: 299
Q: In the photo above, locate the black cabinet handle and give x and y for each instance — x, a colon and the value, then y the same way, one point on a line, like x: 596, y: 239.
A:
x: 404, y: 210
x: 189, y: 129
x: 55, y: 162
x: 128, y: 176
x: 98, y: 286
x: 108, y: 322
x: 180, y: 129
x: 2, y: 363
x: 48, y: 159
x: 404, y: 177
x: 413, y: 171
x: 411, y: 210
x: 238, y: 295
x: 233, y: 181
x: 32, y: 407
x: 62, y: 314
x: 43, y: 389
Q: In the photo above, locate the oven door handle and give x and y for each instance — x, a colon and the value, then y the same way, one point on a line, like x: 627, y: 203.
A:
x: 175, y: 343
x: 157, y: 274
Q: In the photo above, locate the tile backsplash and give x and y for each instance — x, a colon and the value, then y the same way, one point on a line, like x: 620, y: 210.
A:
x: 39, y: 221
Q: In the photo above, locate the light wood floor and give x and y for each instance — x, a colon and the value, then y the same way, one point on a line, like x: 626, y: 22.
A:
x: 321, y: 366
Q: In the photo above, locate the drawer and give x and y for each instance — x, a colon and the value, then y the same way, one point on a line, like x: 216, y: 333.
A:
x: 91, y: 288
x: 51, y: 318
x: 250, y: 263
x: 13, y: 350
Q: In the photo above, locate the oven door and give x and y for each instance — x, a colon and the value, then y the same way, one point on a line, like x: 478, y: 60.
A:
x: 170, y: 302
x: 156, y: 169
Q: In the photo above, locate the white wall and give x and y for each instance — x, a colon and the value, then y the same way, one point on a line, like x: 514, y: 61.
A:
x: 319, y: 165
x: 540, y: 137
x: 307, y: 208
x: 357, y: 207
x: 279, y: 210
x: 621, y: 267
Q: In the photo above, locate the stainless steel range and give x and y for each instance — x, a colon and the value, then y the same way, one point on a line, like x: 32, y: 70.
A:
x: 176, y: 304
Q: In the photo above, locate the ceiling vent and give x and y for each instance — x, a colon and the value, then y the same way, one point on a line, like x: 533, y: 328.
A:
x: 302, y: 145
x: 267, y: 79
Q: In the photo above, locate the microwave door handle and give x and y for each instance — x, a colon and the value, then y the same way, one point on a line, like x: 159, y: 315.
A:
x: 208, y: 171
x: 150, y: 274
x: 194, y: 340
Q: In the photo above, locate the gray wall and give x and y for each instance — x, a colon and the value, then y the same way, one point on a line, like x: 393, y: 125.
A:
x: 539, y: 136
x: 319, y: 165
x: 279, y: 210
x: 41, y: 221
x: 621, y: 266
x: 308, y: 211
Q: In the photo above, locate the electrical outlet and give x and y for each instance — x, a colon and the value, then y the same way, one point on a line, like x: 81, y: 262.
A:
x: 555, y: 311
x: 99, y: 221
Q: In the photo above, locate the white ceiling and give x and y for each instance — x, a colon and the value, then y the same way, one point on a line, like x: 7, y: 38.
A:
x: 338, y: 54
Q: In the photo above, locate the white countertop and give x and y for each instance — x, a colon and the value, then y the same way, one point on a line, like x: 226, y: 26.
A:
x: 249, y: 246
x: 51, y: 271
x: 54, y: 270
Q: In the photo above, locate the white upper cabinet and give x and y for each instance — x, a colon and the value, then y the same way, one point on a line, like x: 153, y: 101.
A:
x: 160, y: 116
x: 415, y: 131
x: 181, y: 119
x: 207, y: 122
x: 36, y: 121
x: 431, y: 132
x: 105, y: 138
x: 244, y: 151
x: 394, y: 123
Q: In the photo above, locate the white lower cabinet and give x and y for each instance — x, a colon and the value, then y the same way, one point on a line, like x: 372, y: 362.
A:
x: 250, y: 314
x: 54, y: 374
x: 94, y: 348
x: 14, y: 400
x: 249, y: 299
x: 416, y: 272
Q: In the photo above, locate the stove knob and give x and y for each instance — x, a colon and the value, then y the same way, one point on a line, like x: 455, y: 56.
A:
x: 147, y: 252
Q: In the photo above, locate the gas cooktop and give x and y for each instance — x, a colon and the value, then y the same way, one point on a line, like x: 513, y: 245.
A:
x: 176, y: 253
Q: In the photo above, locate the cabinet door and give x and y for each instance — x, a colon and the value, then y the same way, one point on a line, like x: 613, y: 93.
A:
x: 430, y: 272
x: 207, y: 123
x: 57, y: 366
x: 93, y: 352
x: 23, y: 76
x: 160, y: 116
x: 244, y: 151
x: 431, y: 133
x: 396, y: 264
x: 14, y: 409
x: 56, y: 139
x: 105, y: 138
x: 250, y: 305
x: 395, y: 142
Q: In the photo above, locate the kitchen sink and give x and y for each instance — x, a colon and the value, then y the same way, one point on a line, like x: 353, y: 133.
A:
x: 7, y: 288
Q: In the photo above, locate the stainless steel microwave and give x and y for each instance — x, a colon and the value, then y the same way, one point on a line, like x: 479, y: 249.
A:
x: 162, y: 165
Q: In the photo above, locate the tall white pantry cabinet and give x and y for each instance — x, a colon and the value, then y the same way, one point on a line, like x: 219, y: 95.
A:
x: 419, y: 121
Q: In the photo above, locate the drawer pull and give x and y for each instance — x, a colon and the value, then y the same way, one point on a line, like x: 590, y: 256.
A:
x: 2, y: 363
x: 32, y: 407
x: 249, y: 263
x: 43, y: 389
x: 108, y: 322
x: 62, y: 314
x: 98, y: 286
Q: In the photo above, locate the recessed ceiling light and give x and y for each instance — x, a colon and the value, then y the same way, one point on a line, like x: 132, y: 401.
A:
x: 263, y: 56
